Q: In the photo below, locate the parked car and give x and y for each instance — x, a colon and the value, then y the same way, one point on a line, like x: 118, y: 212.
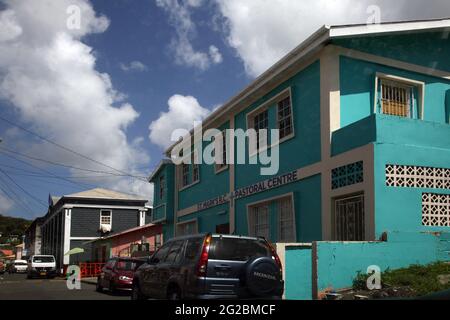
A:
x: 42, y: 266
x: 117, y: 274
x: 2, y: 267
x: 211, y: 267
x: 18, y: 266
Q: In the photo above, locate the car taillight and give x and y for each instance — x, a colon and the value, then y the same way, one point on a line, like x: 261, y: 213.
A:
x: 203, y: 263
x: 275, y: 256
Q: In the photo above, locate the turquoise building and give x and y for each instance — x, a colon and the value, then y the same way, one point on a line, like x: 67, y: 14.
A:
x: 363, y: 113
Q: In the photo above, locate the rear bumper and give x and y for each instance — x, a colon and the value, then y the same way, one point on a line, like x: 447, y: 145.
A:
x: 36, y: 273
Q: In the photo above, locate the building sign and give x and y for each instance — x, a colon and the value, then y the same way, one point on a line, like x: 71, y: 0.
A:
x: 266, y: 185
x: 262, y: 186
x: 213, y: 202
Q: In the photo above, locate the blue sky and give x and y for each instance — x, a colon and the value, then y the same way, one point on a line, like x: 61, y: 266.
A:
x: 114, y: 88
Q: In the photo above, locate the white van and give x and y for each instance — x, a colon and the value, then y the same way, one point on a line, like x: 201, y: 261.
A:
x: 42, y: 266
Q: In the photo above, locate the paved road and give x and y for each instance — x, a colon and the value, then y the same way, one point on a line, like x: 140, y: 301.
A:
x: 18, y: 287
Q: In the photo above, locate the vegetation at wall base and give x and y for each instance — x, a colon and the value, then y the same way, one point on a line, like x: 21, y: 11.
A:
x: 414, y: 281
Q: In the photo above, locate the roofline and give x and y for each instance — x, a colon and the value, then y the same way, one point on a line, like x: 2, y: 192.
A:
x: 158, y: 168
x: 320, y: 38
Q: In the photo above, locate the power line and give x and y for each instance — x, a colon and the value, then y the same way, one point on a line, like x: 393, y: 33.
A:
x: 17, y: 199
x: 84, y: 186
x: 48, y: 172
x: 25, y: 191
x: 61, y: 146
x: 69, y: 166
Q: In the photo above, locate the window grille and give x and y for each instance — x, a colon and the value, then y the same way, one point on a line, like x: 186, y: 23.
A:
x: 285, y: 117
x: 436, y: 210
x: 349, y: 219
x: 417, y: 177
x: 396, y: 98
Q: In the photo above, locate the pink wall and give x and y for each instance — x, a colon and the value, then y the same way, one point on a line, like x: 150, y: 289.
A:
x: 120, y: 245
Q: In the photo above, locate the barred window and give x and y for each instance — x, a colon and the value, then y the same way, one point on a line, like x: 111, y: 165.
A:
x: 396, y: 98
x: 260, y: 122
x: 285, y: 117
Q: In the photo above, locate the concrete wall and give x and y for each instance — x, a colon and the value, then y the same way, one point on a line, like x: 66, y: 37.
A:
x: 334, y: 265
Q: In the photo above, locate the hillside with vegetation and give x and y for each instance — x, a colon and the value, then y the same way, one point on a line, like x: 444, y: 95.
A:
x: 12, y: 226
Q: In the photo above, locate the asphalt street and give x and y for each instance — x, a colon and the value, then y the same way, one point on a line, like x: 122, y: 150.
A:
x: 18, y: 287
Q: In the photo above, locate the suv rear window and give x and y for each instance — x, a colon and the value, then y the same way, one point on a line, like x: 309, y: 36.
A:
x: 38, y: 259
x: 235, y: 249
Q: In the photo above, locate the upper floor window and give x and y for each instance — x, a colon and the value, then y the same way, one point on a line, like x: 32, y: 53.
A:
x: 185, y: 174
x: 396, y: 99
x: 285, y: 117
x: 105, y: 220
x: 162, y: 186
x: 400, y: 97
x: 221, y: 154
x: 260, y: 122
x: 195, y: 168
x: 275, y: 113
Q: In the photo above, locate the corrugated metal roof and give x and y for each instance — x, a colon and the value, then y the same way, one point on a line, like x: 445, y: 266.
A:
x: 99, y: 193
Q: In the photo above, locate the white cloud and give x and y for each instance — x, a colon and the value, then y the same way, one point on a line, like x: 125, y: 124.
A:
x: 49, y: 77
x: 5, y: 204
x: 183, y: 112
x: 181, y: 45
x: 215, y: 55
x: 133, y: 66
x: 262, y: 32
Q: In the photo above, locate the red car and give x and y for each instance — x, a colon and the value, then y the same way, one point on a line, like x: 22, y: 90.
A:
x: 117, y: 274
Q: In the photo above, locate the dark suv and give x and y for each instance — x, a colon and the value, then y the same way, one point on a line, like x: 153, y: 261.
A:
x: 211, y: 267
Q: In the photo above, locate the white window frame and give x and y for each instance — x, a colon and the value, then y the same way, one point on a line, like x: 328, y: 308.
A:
x: 420, y: 85
x: 279, y: 220
x: 179, y: 173
x: 195, y: 165
x: 267, y: 202
x: 218, y: 167
x: 265, y: 106
x: 110, y: 217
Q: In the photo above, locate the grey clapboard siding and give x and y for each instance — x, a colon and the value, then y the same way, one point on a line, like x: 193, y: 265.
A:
x: 86, y: 221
